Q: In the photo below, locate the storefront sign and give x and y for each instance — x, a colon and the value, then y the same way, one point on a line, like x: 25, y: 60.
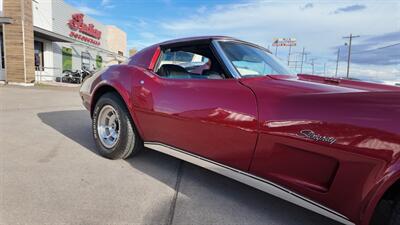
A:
x: 83, y: 38
x: 284, y: 42
x: 76, y: 24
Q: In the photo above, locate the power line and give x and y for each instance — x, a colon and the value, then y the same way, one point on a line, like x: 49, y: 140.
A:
x: 375, y: 49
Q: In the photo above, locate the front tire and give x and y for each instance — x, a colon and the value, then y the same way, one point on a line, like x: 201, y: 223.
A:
x: 395, y: 218
x: 113, y: 130
x: 387, y: 212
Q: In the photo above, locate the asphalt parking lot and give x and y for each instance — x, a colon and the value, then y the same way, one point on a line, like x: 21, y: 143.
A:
x: 51, y: 174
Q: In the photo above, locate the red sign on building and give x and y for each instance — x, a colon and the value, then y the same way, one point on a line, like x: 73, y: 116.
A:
x: 77, y: 24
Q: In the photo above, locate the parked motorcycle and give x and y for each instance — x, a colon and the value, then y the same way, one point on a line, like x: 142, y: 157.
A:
x: 86, y: 73
x: 75, y: 77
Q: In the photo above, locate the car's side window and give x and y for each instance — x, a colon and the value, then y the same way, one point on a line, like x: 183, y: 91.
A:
x: 188, y: 63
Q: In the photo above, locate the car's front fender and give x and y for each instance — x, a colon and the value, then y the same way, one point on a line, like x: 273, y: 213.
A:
x: 119, y: 79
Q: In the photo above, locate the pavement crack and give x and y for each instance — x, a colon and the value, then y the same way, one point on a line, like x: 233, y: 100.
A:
x: 175, y: 197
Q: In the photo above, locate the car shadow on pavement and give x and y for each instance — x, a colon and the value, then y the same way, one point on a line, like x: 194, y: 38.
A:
x: 203, y: 197
x: 74, y: 124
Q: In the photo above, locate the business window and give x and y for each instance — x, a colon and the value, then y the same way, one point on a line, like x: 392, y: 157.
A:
x: 39, y: 64
x: 85, y: 57
x: 99, y: 62
x: 66, y: 59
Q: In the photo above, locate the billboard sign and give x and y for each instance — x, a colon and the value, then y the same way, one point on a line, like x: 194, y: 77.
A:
x: 284, y: 42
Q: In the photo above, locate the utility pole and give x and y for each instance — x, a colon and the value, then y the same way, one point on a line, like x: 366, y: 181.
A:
x: 267, y: 46
x: 288, y: 58
x: 312, y: 64
x: 349, y: 54
x: 324, y: 69
x: 303, y: 59
x: 337, y: 61
x: 276, y: 50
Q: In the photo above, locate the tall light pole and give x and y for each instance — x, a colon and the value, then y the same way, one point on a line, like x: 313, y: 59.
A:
x: 349, y: 54
x: 312, y: 64
x: 337, y: 61
x: 303, y: 59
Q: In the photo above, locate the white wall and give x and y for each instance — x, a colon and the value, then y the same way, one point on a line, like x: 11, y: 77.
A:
x: 63, y: 13
x: 1, y: 7
x: 43, y: 14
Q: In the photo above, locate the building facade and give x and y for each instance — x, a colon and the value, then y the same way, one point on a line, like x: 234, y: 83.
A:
x: 47, y: 37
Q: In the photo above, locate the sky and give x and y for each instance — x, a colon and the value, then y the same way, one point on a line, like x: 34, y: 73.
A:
x: 318, y: 26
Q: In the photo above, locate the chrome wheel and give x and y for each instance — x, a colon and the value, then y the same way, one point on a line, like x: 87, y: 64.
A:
x: 108, y: 126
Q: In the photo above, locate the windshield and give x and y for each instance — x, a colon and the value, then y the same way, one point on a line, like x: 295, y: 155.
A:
x: 252, y: 61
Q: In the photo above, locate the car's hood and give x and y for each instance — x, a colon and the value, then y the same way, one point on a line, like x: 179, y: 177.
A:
x: 354, y: 116
x: 338, y: 82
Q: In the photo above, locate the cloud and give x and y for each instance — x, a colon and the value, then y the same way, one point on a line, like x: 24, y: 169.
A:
x: 307, y: 6
x: 381, y: 49
x: 317, y: 29
x: 388, y: 37
x: 107, y: 4
x: 373, y: 73
x: 142, y: 23
x: 350, y: 8
x: 90, y: 11
x: 141, y: 43
x: 378, y: 74
x: 147, y: 35
x: 380, y: 56
x: 201, y: 9
x: 261, y: 21
x: 166, y: 2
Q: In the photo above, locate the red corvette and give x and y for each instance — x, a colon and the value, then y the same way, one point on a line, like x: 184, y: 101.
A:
x: 328, y: 145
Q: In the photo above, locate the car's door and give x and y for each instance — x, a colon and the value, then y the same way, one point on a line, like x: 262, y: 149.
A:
x: 213, y: 118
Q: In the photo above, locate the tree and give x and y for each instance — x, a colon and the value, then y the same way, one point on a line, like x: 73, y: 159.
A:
x: 132, y: 51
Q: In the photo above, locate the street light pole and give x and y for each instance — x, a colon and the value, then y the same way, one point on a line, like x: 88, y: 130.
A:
x: 349, y: 54
x: 302, y: 59
x: 337, y: 61
x: 312, y: 64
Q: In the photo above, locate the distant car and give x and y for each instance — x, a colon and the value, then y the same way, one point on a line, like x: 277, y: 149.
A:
x: 329, y: 145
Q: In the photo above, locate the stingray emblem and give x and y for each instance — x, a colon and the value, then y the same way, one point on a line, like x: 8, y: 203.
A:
x: 316, y: 137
